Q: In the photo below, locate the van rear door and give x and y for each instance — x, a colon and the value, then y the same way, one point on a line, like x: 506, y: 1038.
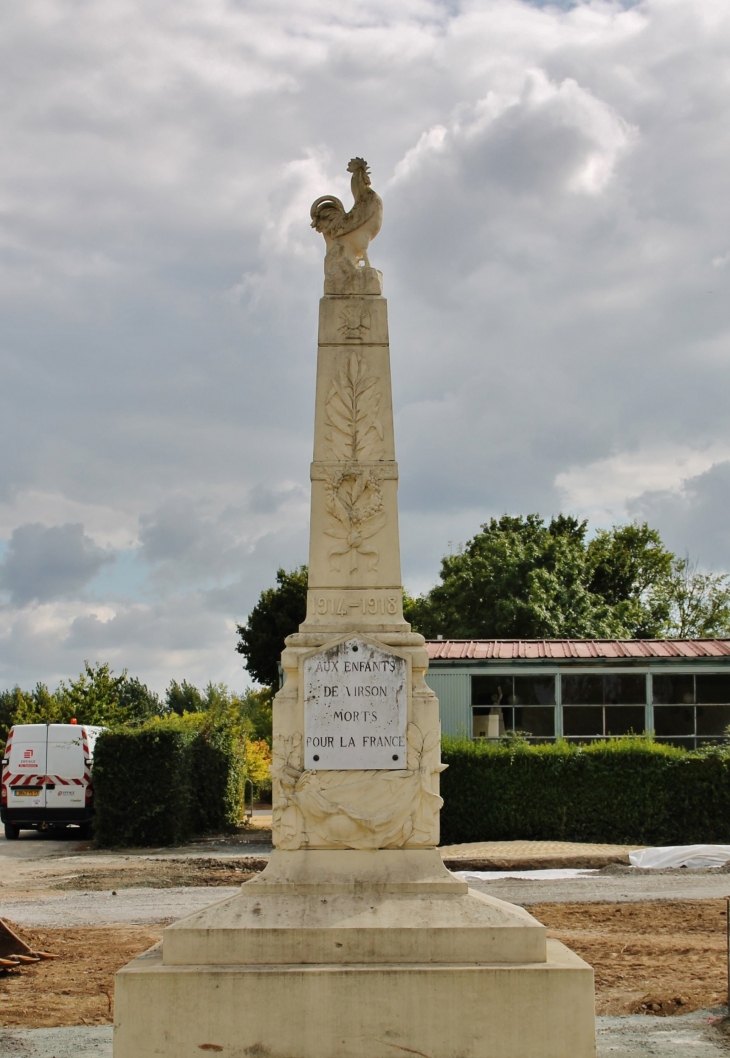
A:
x: 65, y: 785
x: 26, y: 768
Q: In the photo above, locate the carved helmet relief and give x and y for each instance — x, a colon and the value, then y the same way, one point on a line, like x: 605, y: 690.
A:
x: 354, y: 322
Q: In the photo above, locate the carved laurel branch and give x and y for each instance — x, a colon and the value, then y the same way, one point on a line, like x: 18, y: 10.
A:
x: 355, y: 505
x: 351, y: 412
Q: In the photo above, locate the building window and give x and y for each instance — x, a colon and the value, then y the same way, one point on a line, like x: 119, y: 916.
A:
x: 513, y: 703
x: 691, y: 709
x: 603, y: 706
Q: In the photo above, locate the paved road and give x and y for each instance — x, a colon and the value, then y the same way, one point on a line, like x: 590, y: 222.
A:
x: 127, y: 907
x: 34, y: 845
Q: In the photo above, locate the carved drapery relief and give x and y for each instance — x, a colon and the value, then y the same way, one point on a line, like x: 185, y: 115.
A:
x: 355, y: 507
x: 351, y: 413
x: 356, y: 809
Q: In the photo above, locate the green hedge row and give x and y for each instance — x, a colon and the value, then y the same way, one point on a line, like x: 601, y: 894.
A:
x: 165, y: 782
x: 628, y: 791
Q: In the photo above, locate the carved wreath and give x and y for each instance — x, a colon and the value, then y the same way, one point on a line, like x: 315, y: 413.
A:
x: 354, y: 503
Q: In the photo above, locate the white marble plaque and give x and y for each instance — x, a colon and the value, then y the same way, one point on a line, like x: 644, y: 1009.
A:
x: 355, y: 708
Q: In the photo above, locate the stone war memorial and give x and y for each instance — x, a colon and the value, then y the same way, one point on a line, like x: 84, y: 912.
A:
x: 355, y: 941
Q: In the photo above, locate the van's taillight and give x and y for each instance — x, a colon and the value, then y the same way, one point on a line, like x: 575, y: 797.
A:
x: 6, y: 761
x: 4, y: 796
x: 89, y: 792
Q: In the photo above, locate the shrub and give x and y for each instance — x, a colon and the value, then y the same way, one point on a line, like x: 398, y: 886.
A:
x: 625, y: 791
x: 164, y: 782
x: 258, y: 766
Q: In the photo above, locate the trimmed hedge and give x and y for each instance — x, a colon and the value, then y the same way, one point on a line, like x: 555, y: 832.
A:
x: 623, y: 791
x: 165, y: 782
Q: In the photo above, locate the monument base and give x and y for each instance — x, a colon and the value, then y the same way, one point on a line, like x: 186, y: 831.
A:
x: 356, y: 954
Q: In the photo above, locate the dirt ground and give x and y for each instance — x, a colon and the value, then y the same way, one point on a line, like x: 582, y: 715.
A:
x: 659, y: 958
x: 77, y: 988
x: 664, y: 959
x: 163, y: 874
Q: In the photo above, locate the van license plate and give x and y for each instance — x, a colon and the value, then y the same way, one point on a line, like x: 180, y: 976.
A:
x: 26, y: 793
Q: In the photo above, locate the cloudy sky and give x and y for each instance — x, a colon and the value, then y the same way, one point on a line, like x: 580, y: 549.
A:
x: 556, y: 251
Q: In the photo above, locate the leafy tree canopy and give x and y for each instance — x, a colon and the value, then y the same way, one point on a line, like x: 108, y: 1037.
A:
x: 522, y: 578
x: 276, y: 615
x: 698, y: 604
x: 183, y: 698
x: 97, y: 696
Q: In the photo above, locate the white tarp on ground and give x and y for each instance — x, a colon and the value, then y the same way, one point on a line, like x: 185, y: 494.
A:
x: 681, y: 856
x: 546, y: 874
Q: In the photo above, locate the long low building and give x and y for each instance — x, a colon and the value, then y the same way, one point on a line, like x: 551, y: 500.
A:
x: 583, y: 690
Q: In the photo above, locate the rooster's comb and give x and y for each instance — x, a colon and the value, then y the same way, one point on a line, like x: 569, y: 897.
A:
x: 357, y: 163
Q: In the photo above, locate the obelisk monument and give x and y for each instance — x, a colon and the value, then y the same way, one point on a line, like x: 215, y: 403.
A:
x: 356, y: 738
x: 355, y: 941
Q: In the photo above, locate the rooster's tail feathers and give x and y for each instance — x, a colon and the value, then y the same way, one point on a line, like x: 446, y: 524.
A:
x: 326, y: 213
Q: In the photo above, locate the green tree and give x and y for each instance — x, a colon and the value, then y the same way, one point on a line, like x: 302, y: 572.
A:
x: 628, y: 566
x: 97, y: 696
x: 522, y: 578
x: 255, y: 709
x: 38, y: 707
x: 11, y: 704
x: 184, y: 698
x: 276, y: 615
x: 697, y: 604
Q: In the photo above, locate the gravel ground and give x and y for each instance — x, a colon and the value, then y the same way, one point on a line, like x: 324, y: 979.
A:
x: 638, y: 1036
x: 143, y: 906
x: 630, y: 1037
x: 94, y: 1041
x: 612, y: 885
x: 125, y: 907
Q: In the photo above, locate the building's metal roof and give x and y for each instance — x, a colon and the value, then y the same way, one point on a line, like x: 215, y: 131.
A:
x: 574, y: 649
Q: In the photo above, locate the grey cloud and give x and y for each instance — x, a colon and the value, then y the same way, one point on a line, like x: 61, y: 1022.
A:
x: 49, y: 562
x: 551, y: 218
x: 262, y: 499
x: 695, y: 518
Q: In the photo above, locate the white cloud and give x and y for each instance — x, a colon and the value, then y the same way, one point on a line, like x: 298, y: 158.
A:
x: 604, y: 490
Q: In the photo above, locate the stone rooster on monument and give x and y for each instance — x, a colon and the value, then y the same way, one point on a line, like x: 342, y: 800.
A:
x: 347, y: 235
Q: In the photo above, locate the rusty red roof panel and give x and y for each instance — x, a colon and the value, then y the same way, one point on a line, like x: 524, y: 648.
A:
x: 560, y: 649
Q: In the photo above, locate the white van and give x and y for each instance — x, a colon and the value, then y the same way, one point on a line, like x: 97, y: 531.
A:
x: 46, y: 777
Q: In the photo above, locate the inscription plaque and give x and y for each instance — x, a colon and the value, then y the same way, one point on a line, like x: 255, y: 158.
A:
x: 355, y: 708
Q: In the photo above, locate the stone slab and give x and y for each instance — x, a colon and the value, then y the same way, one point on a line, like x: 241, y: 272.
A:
x: 356, y: 1011
x: 386, y: 907
x: 634, y: 1036
x: 355, y: 707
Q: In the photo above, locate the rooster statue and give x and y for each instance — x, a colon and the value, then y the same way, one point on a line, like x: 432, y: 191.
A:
x: 347, y: 235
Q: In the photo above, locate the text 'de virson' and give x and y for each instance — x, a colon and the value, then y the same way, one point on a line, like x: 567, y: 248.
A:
x: 355, y: 708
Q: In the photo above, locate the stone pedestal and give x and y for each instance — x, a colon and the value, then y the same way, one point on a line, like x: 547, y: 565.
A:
x: 356, y: 954
x: 355, y: 942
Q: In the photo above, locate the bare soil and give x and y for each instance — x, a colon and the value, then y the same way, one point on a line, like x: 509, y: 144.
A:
x: 658, y: 958
x: 77, y: 988
x: 163, y: 874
